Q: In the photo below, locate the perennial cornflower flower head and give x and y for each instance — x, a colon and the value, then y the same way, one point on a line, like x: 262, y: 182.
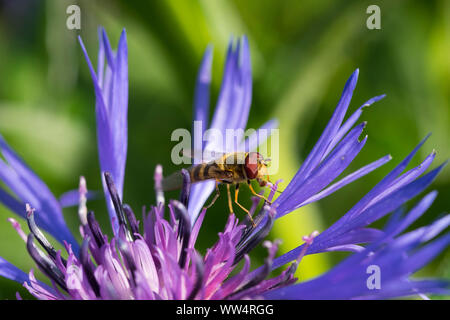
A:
x: 157, y: 259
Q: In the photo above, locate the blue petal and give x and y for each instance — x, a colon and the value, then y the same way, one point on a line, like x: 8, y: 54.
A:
x: 223, y: 107
x: 72, y: 198
x: 111, y: 92
x: 10, y: 271
x: 321, y: 176
x: 397, y: 226
x: 348, y: 280
x: 119, y: 110
x: 202, y: 92
x: 232, y: 109
x: 29, y: 188
x: 247, y: 84
x: 348, y: 179
x: 421, y: 258
x: 259, y: 136
x: 104, y: 137
x: 349, y: 123
x: 393, y: 201
x: 325, y: 139
x: 200, y: 192
x: 376, y: 211
x: 384, y: 183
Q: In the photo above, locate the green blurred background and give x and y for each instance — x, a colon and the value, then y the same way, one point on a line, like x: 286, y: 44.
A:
x: 302, y: 54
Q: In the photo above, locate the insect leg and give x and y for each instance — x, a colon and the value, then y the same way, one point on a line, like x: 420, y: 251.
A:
x: 258, y: 195
x: 230, y: 205
x: 268, y: 180
x: 236, y: 192
x: 215, y: 196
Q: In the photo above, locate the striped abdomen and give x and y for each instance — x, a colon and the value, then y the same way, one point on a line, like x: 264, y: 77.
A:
x: 200, y: 172
x: 205, y: 171
x: 228, y: 169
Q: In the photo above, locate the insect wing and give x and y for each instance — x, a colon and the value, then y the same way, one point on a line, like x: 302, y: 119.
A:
x: 199, y: 156
x: 172, y: 182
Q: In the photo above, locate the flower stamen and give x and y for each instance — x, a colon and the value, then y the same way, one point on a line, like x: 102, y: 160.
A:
x: 158, y: 177
x: 39, y: 235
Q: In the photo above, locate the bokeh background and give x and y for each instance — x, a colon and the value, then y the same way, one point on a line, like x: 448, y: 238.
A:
x: 302, y: 54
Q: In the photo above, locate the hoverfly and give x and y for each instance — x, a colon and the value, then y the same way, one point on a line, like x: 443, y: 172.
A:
x: 231, y: 169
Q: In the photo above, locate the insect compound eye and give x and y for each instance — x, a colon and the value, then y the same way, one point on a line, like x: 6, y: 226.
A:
x: 251, y: 164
